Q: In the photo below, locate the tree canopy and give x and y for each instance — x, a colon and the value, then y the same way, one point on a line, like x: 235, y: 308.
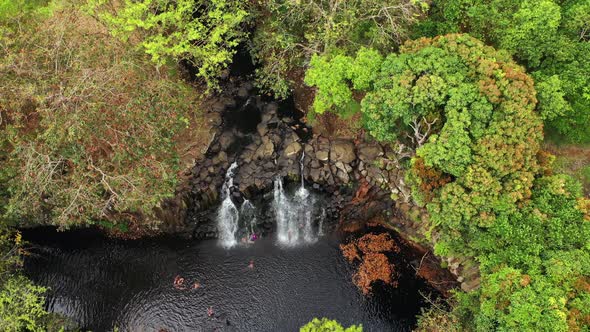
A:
x: 469, y: 112
x: 205, y: 33
x: 551, y: 38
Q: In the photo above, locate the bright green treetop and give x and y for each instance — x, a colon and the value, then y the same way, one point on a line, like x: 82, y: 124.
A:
x: 328, y: 325
x: 205, y: 33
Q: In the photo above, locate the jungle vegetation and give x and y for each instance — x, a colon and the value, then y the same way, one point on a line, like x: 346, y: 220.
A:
x: 92, y: 98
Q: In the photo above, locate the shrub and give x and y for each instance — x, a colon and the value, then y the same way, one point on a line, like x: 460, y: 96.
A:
x: 88, y: 124
x: 328, y: 325
x: 204, y: 33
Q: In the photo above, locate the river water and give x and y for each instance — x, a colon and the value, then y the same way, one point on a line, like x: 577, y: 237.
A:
x: 102, y: 283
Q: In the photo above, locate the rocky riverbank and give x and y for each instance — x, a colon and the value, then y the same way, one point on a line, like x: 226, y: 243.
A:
x: 361, y: 181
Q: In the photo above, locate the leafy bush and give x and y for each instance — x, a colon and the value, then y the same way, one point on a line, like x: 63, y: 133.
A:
x: 328, y: 325
x: 469, y: 112
x: 88, y: 122
x: 21, y: 306
x: 21, y: 302
x: 204, y: 32
x: 289, y: 33
x: 551, y: 38
x: 459, y: 101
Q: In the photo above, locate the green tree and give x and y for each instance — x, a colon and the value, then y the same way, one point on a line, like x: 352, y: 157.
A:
x: 459, y: 102
x: 289, y: 33
x: 21, y: 302
x: 21, y: 306
x: 549, y: 37
x: 328, y: 325
x: 335, y: 77
x: 205, y: 33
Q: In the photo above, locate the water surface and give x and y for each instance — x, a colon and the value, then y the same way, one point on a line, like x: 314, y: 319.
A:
x: 102, y: 283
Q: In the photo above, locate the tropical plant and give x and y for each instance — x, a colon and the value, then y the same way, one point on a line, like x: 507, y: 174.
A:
x: 205, y: 33
x: 550, y: 37
x: 289, y: 33
x: 328, y: 325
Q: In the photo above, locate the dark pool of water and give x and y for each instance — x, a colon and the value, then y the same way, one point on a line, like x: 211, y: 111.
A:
x: 102, y: 283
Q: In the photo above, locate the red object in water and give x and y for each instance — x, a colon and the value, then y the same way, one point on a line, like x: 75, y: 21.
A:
x: 210, y: 311
x: 179, y: 282
x: 251, y: 265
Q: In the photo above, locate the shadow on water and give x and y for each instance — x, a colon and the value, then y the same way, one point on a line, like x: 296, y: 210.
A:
x: 102, y: 283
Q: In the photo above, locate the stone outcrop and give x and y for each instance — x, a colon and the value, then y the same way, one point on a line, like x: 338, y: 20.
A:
x: 361, y: 180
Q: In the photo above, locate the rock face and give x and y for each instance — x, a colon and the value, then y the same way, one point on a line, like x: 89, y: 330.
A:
x: 359, y: 178
x: 265, y: 142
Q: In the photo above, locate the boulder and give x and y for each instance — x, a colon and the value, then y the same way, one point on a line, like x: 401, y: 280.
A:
x: 292, y: 149
x: 265, y: 150
x: 262, y: 129
x: 369, y: 152
x: 342, y: 150
x: 322, y: 155
x: 225, y: 140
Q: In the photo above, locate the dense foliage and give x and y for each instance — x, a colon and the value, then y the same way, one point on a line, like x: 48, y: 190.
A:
x: 550, y: 37
x: 468, y: 110
x: 328, y: 325
x: 535, y: 263
x: 87, y: 135
x: 91, y: 104
x: 21, y: 302
x: 204, y: 33
x: 290, y: 32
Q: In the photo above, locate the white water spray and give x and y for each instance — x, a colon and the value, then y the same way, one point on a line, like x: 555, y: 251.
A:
x: 228, y: 215
x: 321, y: 224
x: 294, y: 215
x: 248, y: 216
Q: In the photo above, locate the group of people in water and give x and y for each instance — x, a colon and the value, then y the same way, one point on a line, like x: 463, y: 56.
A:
x: 178, y: 283
x: 250, y: 239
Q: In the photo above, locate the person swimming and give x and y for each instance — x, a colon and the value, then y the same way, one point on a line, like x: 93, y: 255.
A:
x: 210, y: 311
x: 178, y: 282
x: 251, y: 265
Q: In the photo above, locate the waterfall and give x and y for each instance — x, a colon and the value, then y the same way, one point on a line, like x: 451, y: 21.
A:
x: 321, y: 224
x: 283, y: 211
x: 301, y: 169
x: 294, y: 215
x: 248, y: 216
x: 228, y: 215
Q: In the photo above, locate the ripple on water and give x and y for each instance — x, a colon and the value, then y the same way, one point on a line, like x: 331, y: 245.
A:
x: 130, y: 284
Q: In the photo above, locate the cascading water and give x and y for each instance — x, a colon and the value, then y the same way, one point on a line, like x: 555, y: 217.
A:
x: 248, y: 216
x: 321, y: 224
x: 294, y: 215
x: 228, y: 215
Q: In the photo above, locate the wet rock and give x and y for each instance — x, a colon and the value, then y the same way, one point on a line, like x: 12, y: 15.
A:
x: 243, y: 92
x: 265, y: 150
x: 322, y: 155
x: 343, y: 176
x: 292, y: 149
x: 225, y: 140
x: 315, y: 174
x: 342, y: 150
x: 262, y: 129
x: 369, y: 152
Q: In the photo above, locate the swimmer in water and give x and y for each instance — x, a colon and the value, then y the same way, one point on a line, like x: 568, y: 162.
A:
x: 251, y: 265
x: 210, y: 312
x: 179, y: 282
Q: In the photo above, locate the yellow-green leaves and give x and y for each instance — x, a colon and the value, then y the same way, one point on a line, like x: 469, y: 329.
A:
x: 205, y: 33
